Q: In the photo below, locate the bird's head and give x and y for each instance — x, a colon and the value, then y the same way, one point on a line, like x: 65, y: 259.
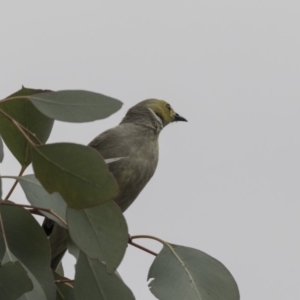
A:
x: 159, y: 112
x: 163, y: 111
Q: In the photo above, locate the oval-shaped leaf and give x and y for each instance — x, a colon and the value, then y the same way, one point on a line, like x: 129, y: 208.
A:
x: 25, y: 113
x: 28, y: 244
x: 75, y: 105
x: 14, y: 281
x: 1, y: 158
x: 77, y: 172
x: 185, y: 273
x: 73, y: 249
x: 38, y: 196
x: 1, y: 150
x: 58, y: 240
x: 101, y: 232
x: 64, y: 290
x: 94, y: 283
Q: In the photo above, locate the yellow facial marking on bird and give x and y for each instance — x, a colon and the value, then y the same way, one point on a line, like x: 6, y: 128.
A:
x: 163, y: 110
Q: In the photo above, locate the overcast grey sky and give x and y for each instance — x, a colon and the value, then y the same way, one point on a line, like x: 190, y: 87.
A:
x: 228, y: 180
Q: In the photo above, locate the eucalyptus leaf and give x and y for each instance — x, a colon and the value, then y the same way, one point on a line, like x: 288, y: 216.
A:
x: 73, y: 249
x: 28, y: 244
x: 101, y: 232
x: 75, y: 105
x: 1, y: 150
x: 64, y: 290
x: 77, y: 172
x: 60, y: 269
x: 38, y: 196
x: 14, y: 281
x: 185, y: 273
x: 1, y: 159
x: 94, y: 283
x: 24, y: 112
x: 58, y: 241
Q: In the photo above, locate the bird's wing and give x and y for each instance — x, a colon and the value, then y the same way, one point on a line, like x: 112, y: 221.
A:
x: 116, y: 142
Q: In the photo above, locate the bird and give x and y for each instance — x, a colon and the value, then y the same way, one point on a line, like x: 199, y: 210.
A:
x: 131, y: 151
x: 131, y: 148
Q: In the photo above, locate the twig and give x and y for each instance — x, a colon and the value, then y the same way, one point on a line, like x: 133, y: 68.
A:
x: 23, y: 132
x: 33, y: 211
x: 130, y: 242
x: 13, y: 98
x: 144, y: 236
x: 64, y: 280
x: 48, y: 210
x: 21, y: 128
x: 15, y: 183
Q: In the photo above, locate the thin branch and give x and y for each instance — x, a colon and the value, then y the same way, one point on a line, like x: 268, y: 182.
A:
x: 149, y: 237
x: 164, y: 243
x: 64, y: 280
x: 13, y: 98
x: 21, y: 127
x: 33, y: 211
x: 15, y: 183
x: 48, y: 210
x: 23, y: 132
x: 130, y: 242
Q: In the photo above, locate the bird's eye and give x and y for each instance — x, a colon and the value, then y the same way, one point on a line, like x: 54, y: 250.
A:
x: 168, y: 106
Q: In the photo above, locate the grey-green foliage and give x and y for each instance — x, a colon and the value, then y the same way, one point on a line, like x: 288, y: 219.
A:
x: 1, y: 150
x: 94, y: 283
x: 185, y: 273
x: 61, y: 168
x: 39, y: 197
x: 64, y: 291
x: 89, y: 228
x: 27, y: 243
x: 72, y: 186
x: 12, y: 275
x: 1, y: 158
x: 75, y: 105
x: 30, y: 119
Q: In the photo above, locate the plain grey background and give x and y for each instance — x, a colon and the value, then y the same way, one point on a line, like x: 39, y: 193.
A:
x: 228, y: 180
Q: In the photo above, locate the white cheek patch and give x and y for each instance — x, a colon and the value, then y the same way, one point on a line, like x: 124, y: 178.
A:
x: 111, y: 160
x: 157, y: 117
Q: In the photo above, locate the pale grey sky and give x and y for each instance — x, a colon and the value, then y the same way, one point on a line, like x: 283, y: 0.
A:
x: 228, y: 180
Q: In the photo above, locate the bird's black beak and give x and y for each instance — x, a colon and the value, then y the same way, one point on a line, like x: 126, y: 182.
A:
x: 177, y: 117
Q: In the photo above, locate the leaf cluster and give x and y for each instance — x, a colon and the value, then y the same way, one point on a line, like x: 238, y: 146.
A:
x: 72, y: 187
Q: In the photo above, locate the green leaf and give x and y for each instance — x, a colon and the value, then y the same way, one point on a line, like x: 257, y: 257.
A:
x: 75, y: 105
x: 14, y: 281
x: 94, y: 283
x: 58, y: 241
x: 1, y: 150
x: 60, y: 269
x: 28, y: 244
x: 64, y: 291
x: 75, y: 171
x: 24, y: 112
x: 1, y: 159
x: 185, y: 273
x: 73, y: 249
x: 38, y: 196
x: 101, y: 232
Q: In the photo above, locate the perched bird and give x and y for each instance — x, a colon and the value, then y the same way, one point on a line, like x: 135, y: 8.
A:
x: 134, y: 146
x: 131, y: 151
